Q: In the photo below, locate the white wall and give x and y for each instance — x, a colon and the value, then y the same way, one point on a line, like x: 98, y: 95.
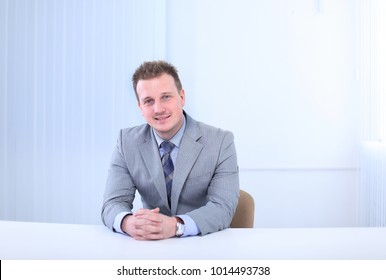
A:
x: 279, y: 74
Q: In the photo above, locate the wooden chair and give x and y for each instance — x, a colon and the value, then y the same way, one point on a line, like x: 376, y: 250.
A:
x: 245, y: 211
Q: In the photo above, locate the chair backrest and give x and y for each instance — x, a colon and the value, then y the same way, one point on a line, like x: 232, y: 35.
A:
x: 245, y: 212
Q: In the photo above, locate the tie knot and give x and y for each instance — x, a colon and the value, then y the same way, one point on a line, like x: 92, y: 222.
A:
x: 167, y: 146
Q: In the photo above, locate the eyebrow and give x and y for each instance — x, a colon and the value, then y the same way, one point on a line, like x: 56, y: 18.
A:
x: 146, y: 98
x: 162, y: 94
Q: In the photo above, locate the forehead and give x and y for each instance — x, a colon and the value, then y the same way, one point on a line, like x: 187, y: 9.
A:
x: 157, y: 85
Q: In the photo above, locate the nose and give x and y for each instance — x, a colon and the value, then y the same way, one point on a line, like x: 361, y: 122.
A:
x: 157, y: 107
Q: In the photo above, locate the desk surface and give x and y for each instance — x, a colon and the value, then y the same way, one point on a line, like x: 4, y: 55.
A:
x: 27, y: 240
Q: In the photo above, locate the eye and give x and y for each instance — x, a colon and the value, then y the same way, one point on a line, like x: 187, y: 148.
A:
x: 148, y: 102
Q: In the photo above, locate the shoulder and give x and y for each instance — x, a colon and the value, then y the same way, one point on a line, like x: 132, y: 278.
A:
x: 212, y: 131
x: 206, y: 131
x: 136, y: 134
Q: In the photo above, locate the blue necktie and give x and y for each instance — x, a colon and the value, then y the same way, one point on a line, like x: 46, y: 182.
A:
x: 168, y: 166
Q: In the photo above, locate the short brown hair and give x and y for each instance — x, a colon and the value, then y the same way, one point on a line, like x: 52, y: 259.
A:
x: 152, y: 69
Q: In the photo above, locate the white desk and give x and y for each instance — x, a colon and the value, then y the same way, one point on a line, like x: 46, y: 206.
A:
x: 26, y: 240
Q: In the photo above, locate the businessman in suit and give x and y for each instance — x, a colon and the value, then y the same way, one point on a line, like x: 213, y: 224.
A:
x: 185, y: 171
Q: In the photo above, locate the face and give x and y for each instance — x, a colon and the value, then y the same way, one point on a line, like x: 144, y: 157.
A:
x: 161, y: 105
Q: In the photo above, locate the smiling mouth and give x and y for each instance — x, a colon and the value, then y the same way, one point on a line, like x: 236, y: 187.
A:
x: 162, y: 118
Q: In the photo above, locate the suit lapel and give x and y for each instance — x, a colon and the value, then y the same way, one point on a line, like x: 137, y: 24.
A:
x: 189, y: 151
x: 150, y: 155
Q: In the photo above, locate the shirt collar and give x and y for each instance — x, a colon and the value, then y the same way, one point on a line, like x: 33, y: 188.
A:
x: 176, y: 139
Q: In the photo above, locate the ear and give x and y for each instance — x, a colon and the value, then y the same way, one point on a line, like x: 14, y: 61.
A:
x: 140, y: 107
x: 182, y: 95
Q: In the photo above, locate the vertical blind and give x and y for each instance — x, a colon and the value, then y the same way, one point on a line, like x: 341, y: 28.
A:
x: 65, y: 92
x: 372, y: 67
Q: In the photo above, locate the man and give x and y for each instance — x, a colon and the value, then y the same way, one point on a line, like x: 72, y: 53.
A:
x: 185, y: 171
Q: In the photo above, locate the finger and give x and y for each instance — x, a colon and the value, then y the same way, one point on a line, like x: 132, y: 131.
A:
x: 141, y: 223
x: 141, y: 211
x: 147, y: 232
x: 151, y: 236
x: 150, y: 216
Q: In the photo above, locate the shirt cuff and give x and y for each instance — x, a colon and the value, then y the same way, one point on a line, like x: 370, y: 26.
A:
x: 118, y: 221
x: 191, y: 227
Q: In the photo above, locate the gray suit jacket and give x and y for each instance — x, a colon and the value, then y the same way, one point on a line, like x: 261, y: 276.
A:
x: 205, y: 183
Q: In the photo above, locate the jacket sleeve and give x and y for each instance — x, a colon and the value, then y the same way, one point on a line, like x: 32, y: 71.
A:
x: 223, y: 191
x: 120, y: 189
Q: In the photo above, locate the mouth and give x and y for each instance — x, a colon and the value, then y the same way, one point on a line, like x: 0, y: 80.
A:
x: 162, y: 118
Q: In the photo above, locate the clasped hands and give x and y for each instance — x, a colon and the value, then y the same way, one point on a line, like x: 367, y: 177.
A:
x: 146, y: 224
